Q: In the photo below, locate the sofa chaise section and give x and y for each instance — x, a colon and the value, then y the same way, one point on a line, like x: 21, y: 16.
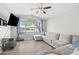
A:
x: 66, y: 49
x: 64, y: 39
x: 71, y: 48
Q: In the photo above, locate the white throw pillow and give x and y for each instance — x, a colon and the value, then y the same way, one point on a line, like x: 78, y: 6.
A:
x: 75, y: 39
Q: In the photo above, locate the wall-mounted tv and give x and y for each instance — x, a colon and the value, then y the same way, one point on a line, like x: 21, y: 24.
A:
x: 13, y: 20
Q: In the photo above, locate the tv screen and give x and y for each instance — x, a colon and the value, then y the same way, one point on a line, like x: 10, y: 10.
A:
x: 13, y: 20
x: 0, y: 21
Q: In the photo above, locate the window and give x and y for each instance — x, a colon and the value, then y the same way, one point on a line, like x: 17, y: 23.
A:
x: 22, y: 26
x: 29, y: 25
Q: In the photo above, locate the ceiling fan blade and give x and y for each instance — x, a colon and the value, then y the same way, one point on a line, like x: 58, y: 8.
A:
x: 47, y: 7
x: 44, y: 12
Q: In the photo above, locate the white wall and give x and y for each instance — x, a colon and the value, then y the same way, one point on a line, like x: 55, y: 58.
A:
x: 66, y: 22
x: 5, y: 32
x: 13, y: 32
x: 4, y: 12
x: 8, y: 32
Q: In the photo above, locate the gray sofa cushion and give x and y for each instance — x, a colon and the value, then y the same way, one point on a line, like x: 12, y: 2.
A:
x: 52, y: 36
x: 58, y: 43
x: 75, y: 39
x: 66, y: 49
x: 65, y: 38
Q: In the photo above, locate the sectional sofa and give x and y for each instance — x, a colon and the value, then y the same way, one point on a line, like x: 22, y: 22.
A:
x: 62, y: 42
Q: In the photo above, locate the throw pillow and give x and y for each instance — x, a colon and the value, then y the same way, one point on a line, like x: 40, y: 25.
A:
x: 75, y: 39
x: 65, y: 38
x: 75, y: 45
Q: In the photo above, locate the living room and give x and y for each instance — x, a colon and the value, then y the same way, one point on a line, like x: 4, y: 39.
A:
x: 39, y: 28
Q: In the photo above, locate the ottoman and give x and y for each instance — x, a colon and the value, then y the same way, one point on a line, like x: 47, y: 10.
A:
x: 38, y: 37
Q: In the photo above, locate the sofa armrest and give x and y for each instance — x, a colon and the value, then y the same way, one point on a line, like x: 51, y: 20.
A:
x: 44, y: 37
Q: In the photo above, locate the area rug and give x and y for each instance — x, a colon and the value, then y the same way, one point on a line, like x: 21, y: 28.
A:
x: 41, y: 52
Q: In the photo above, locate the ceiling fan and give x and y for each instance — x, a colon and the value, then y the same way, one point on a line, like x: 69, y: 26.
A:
x: 41, y: 9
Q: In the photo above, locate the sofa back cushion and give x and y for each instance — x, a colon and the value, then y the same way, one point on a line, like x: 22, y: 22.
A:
x: 65, y: 38
x: 53, y: 36
x: 75, y: 39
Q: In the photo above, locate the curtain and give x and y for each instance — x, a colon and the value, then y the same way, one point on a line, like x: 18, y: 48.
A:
x: 42, y: 26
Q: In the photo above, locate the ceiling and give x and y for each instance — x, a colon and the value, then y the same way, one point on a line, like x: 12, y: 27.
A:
x: 24, y: 8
